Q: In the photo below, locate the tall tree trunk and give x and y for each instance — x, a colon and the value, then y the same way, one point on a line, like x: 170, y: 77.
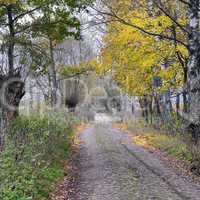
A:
x: 11, y: 86
x: 185, y: 102
x: 53, y: 78
x: 167, y: 102
x: 194, y: 60
x: 151, y: 109
x: 144, y: 104
x: 194, y: 67
x: 31, y: 95
x: 11, y: 42
x: 146, y: 109
x: 185, y: 90
x: 158, y: 113
x: 177, y: 104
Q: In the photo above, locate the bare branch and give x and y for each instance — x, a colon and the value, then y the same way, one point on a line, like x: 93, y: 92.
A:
x: 26, y: 13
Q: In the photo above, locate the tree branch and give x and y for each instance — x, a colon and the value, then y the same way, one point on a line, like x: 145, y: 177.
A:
x: 26, y: 13
x: 170, y: 17
x: 123, y: 21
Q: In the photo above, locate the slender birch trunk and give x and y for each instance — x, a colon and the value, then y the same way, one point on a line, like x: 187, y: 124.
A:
x: 194, y: 60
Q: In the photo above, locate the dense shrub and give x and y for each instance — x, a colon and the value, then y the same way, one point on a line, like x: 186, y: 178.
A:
x: 32, y: 159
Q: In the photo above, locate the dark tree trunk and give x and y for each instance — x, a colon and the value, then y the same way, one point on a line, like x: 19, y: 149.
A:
x: 157, y: 111
x: 11, y: 42
x: 185, y: 102
x: 177, y: 104
x: 142, y: 107
x: 144, y: 104
x: 157, y: 106
x: 185, y: 89
x: 12, y: 91
x: 12, y: 88
x: 151, y: 109
x: 53, y: 78
x: 168, y: 103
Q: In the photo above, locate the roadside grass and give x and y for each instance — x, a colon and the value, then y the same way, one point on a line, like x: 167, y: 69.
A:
x: 177, y: 150
x: 173, y: 146
x: 151, y: 138
x: 34, y: 156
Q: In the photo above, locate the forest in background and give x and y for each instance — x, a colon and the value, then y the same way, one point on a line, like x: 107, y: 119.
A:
x: 151, y: 51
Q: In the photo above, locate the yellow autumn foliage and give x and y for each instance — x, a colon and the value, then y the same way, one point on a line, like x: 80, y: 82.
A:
x: 8, y: 1
x: 135, y: 58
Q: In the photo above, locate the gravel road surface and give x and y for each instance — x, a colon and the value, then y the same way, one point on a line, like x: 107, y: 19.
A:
x: 112, y: 168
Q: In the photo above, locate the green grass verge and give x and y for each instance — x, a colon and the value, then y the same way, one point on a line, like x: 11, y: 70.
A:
x: 172, y: 145
x: 32, y: 160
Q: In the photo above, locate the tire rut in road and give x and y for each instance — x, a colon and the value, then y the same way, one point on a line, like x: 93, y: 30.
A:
x: 163, y: 178
x: 104, y: 173
x: 111, y: 168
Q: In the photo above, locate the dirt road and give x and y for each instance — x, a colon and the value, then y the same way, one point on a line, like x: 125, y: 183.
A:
x: 112, y: 168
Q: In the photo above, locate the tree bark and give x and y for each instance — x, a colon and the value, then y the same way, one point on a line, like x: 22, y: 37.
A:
x: 158, y: 112
x: 11, y: 42
x: 185, y: 89
x: 12, y: 91
x: 53, y: 78
x: 194, y: 61
x: 177, y: 104
x: 151, y: 109
x: 193, y: 66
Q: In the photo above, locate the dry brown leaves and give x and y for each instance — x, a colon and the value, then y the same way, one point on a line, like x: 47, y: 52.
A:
x: 142, y: 140
x: 121, y: 126
x: 64, y: 187
x: 180, y: 166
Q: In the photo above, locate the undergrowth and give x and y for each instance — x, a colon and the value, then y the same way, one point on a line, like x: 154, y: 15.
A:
x: 33, y: 158
x: 173, y: 146
x: 176, y: 145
